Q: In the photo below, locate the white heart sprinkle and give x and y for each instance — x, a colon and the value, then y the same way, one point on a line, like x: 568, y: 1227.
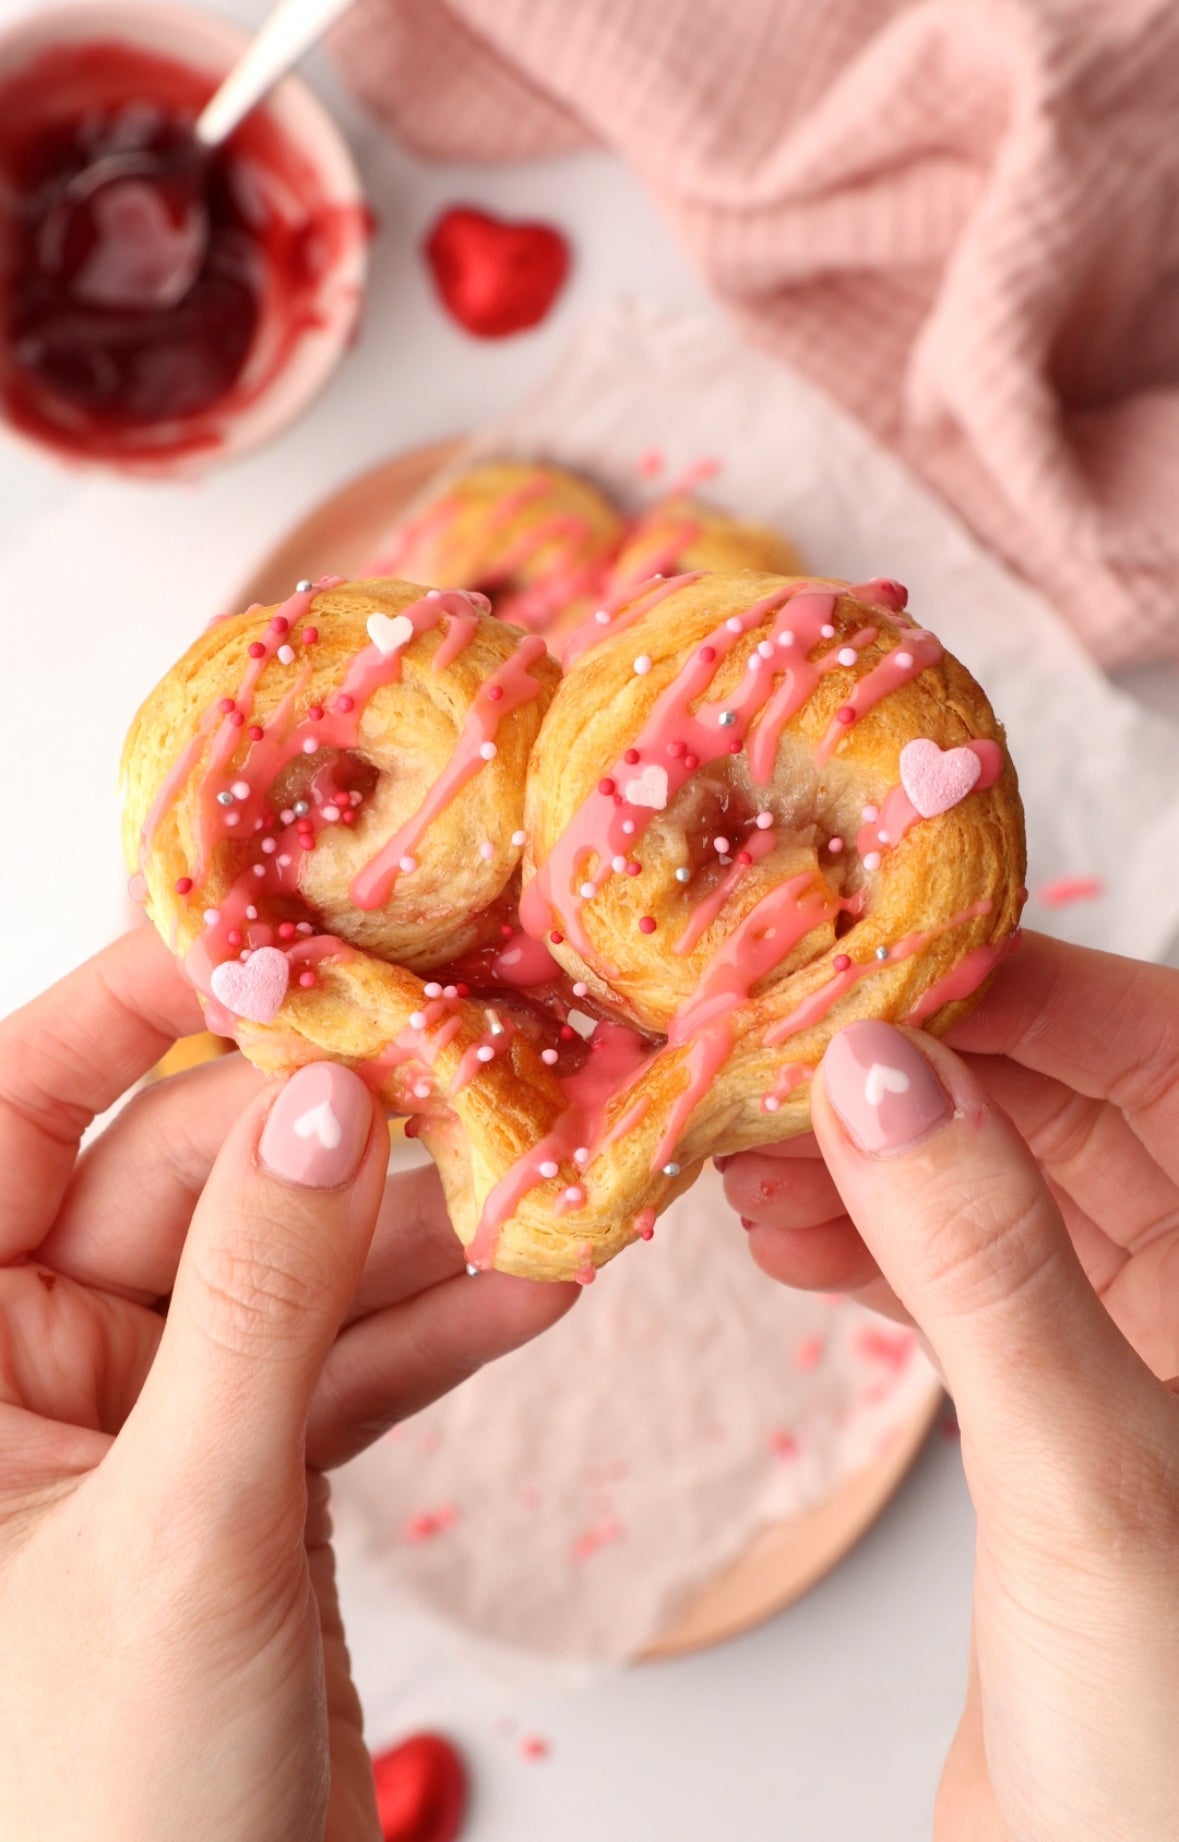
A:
x: 321, y: 1123
x: 884, y: 1080
x: 648, y: 788
x: 389, y: 633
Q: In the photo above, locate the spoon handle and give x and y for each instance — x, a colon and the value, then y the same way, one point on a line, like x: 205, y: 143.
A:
x: 291, y: 30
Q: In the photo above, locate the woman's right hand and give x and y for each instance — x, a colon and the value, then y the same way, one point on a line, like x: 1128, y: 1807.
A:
x: 1048, y: 1292
x: 1081, y: 1050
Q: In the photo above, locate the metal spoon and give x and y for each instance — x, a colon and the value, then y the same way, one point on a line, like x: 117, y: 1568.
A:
x: 131, y: 230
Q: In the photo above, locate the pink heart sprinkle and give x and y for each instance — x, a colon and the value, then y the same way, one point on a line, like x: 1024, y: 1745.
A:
x: 936, y: 779
x: 255, y: 987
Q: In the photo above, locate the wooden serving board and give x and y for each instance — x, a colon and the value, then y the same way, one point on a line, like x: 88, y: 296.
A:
x: 337, y: 538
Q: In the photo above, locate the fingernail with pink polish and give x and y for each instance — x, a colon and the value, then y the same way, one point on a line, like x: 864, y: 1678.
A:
x: 883, y: 1089
x: 318, y: 1127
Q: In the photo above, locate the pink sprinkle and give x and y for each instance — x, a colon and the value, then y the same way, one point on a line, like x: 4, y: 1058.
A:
x: 431, y: 1522
x: 234, y: 937
x: 575, y: 1195
x: 279, y: 624
x: 735, y: 748
x: 845, y: 715
x: 743, y: 857
x: 315, y: 713
x: 225, y: 705
x: 286, y: 930
x: 310, y: 635
x: 548, y: 1057
x: 256, y: 649
x: 647, y: 924
x: 770, y: 1103
x: 533, y: 1747
x: 633, y: 868
x: 1070, y: 889
x: 307, y: 980
x: 868, y: 814
x: 631, y: 756
x: 235, y: 719
x: 495, y: 692
x: 871, y: 860
x: 691, y: 762
x: 841, y: 962
x: 183, y: 885
x: 707, y: 655
x: 343, y: 703
x: 606, y: 786
x: 835, y: 845
x: 487, y: 850
x: 809, y: 1353
x: 255, y: 732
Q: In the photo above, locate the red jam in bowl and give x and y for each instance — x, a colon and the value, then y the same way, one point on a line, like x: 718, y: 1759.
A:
x: 101, y: 379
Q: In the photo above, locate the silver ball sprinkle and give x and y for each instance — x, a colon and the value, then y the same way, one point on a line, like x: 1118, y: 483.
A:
x: 882, y: 952
x: 303, y: 584
x: 727, y: 718
x: 301, y: 808
x: 683, y: 874
x: 671, y: 1170
x: 225, y: 799
x: 472, y: 1271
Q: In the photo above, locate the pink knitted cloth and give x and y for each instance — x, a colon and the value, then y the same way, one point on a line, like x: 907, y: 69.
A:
x: 960, y: 217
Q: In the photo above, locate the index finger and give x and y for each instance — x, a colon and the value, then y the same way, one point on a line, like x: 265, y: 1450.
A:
x: 66, y: 1057
x: 1105, y: 1026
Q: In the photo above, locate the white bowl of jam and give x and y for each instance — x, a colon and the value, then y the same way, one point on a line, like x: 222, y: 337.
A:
x: 275, y: 303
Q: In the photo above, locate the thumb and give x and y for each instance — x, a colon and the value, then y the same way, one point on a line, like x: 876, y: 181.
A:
x: 952, y: 1204
x: 271, y: 1262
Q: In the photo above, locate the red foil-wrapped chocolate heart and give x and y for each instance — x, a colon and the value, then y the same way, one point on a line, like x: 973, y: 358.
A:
x: 495, y: 278
x: 421, y: 1790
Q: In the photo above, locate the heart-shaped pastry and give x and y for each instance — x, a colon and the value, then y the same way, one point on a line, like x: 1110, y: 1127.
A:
x: 421, y: 1790
x: 253, y: 988
x: 934, y: 778
x: 494, y: 277
x: 585, y: 931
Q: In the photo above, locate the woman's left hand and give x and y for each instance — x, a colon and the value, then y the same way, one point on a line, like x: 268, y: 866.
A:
x: 220, y: 1298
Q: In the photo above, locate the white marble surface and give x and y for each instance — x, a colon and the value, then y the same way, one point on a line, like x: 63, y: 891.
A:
x: 831, y: 1721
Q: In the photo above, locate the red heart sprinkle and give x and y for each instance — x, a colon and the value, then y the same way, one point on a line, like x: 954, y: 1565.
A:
x: 421, y: 1790
x: 495, y: 278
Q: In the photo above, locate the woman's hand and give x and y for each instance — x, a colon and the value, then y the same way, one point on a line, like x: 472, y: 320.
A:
x: 1049, y: 1293
x: 174, y: 1662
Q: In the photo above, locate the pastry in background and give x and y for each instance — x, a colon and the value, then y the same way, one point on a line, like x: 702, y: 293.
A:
x: 537, y: 541
x: 679, y: 534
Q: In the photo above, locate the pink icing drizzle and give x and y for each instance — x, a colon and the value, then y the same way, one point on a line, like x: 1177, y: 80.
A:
x: 372, y: 885
x: 616, y: 1054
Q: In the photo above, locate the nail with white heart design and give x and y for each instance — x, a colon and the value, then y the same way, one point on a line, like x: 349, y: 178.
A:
x: 882, y: 1089
x: 389, y: 632
x: 318, y: 1127
x: 883, y: 1080
x: 321, y: 1123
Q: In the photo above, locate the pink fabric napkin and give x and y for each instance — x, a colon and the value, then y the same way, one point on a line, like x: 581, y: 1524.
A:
x: 960, y: 217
